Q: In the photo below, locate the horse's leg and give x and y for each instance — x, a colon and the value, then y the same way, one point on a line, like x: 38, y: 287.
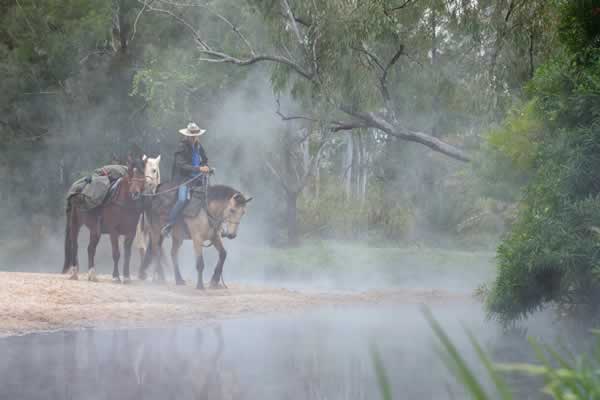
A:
x: 152, y: 250
x: 68, y: 230
x: 116, y: 254
x: 199, y: 265
x: 141, y: 241
x: 159, y: 272
x: 175, y: 246
x: 216, y: 278
x: 94, y: 239
x: 75, y: 248
x: 127, y: 247
x: 198, y: 227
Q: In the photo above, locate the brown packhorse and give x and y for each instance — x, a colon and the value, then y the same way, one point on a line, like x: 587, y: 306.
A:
x: 221, y: 218
x: 117, y: 216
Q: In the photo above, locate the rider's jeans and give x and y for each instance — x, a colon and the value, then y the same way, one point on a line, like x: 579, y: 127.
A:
x: 182, y: 194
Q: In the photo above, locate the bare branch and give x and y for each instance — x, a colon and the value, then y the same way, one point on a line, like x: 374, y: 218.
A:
x: 338, y: 126
x: 137, y: 18
x: 375, y: 121
x: 182, y: 21
x: 371, y: 56
x: 333, y: 125
x: 216, y: 56
x: 290, y: 15
x: 388, y: 11
x: 392, y: 61
x: 219, y: 57
x: 273, y: 170
x: 383, y: 80
x: 233, y: 27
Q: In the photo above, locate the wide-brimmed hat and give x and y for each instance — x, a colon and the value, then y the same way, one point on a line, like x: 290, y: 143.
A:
x: 192, y: 130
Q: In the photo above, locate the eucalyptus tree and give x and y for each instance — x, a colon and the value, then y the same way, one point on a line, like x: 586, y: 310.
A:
x: 337, y: 56
x: 431, y: 72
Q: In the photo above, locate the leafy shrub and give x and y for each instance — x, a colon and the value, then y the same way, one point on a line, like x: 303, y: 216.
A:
x: 333, y: 214
x: 552, y: 253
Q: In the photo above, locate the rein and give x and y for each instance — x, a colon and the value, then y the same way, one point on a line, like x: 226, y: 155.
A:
x: 174, y: 188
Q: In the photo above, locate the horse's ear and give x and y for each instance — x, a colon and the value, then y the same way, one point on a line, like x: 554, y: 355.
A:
x: 158, y: 158
x: 248, y: 200
x: 144, y: 157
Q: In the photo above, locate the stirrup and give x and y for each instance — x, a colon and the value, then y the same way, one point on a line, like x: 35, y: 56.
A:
x: 166, y: 230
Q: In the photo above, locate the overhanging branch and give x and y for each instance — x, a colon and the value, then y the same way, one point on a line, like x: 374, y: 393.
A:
x: 373, y: 120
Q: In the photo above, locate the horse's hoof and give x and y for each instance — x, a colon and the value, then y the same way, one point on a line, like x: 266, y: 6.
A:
x: 73, y: 274
x: 180, y: 282
x: 216, y: 285
x: 92, y: 275
x: 116, y: 279
x: 126, y: 280
x: 142, y: 276
x: 200, y: 286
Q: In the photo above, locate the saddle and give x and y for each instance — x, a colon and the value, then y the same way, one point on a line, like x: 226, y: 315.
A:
x: 196, y: 202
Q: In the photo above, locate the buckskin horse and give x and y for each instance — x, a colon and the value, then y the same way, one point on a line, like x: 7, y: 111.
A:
x: 220, y: 217
x: 118, y: 216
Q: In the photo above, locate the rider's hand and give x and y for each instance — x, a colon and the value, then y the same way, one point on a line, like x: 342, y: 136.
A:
x: 204, y: 169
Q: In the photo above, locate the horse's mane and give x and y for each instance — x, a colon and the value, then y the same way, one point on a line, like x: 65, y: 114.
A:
x: 220, y: 192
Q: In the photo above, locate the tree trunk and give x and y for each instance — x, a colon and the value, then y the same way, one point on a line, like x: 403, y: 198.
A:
x: 348, y: 164
x: 435, y: 103
x: 292, y: 217
x: 362, y: 169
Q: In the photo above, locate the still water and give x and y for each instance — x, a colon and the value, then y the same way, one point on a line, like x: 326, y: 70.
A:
x: 324, y: 354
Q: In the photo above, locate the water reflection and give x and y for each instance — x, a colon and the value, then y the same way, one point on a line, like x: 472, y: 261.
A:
x: 120, y: 364
x: 322, y: 355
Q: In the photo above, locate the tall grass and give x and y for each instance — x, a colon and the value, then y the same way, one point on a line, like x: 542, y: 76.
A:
x: 570, y: 377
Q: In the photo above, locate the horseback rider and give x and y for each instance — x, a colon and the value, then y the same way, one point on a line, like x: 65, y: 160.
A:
x: 190, y: 161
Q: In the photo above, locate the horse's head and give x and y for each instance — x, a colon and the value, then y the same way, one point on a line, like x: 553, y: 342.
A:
x: 152, y: 173
x: 136, y: 177
x: 235, y: 210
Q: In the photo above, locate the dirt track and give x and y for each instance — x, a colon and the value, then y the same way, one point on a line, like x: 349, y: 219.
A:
x: 31, y: 302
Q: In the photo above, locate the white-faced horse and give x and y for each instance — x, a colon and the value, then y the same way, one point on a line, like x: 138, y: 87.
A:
x: 152, y: 173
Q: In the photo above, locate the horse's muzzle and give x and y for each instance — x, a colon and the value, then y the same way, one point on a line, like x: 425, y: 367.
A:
x: 228, y: 235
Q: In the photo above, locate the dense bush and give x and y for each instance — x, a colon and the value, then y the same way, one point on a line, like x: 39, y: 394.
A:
x: 552, y: 253
x: 333, y: 214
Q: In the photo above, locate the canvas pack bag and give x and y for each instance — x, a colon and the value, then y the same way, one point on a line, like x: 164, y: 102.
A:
x: 91, y: 191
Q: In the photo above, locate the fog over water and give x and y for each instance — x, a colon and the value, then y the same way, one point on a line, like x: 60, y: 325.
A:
x: 312, y: 355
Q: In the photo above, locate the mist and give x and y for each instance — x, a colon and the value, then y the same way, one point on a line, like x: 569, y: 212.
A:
x: 398, y: 159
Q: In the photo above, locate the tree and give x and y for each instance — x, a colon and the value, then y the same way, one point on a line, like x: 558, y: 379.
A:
x: 552, y: 252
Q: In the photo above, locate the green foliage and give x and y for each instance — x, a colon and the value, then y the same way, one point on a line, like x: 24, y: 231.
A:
x: 552, y: 253
x: 580, y: 28
x: 565, y: 378
x: 382, y: 378
x: 334, y: 214
x: 518, y: 138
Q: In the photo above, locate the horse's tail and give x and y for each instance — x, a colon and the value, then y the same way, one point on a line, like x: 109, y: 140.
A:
x: 68, y: 239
